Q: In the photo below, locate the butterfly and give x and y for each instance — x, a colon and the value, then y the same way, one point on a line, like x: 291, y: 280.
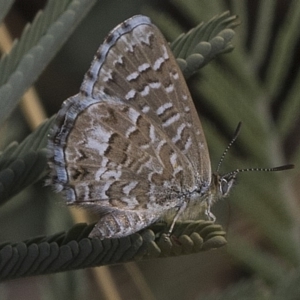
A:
x: 130, y: 146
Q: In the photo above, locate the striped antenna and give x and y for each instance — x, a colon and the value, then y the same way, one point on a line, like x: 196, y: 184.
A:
x: 236, y: 133
x: 275, y: 169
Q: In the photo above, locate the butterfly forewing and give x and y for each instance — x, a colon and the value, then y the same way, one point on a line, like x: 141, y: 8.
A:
x: 136, y: 66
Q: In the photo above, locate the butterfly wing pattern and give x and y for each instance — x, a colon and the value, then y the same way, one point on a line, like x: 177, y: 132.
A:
x: 130, y: 146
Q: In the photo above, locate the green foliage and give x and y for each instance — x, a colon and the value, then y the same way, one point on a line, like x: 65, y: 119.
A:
x: 5, y: 6
x: 39, y: 43
x: 22, y: 165
x: 248, y: 85
x: 74, y: 250
x: 203, y: 43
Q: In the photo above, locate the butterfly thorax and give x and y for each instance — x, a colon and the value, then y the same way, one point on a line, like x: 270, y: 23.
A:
x: 219, y: 187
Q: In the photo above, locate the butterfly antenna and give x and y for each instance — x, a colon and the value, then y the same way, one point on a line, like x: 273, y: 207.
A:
x: 236, y: 133
x: 276, y: 169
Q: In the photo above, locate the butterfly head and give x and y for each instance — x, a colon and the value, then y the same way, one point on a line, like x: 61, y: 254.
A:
x: 223, y: 184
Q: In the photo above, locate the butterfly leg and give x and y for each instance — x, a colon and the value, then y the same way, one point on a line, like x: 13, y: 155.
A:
x: 179, y: 212
x: 209, y: 214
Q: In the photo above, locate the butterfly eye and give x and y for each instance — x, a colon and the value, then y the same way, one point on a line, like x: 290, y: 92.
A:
x: 224, y: 186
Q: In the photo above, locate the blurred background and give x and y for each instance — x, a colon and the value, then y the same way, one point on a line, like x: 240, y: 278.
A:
x: 257, y: 83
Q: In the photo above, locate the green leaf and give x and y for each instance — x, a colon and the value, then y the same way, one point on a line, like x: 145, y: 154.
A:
x: 39, y: 43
